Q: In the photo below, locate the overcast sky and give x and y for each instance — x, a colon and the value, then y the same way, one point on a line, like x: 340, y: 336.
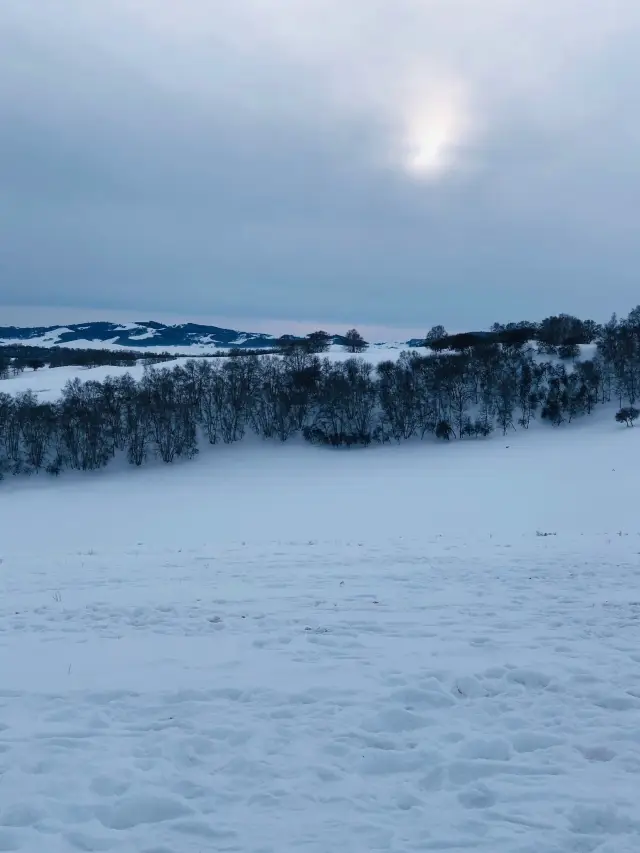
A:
x: 373, y: 162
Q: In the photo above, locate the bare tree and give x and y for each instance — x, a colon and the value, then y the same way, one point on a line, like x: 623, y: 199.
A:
x: 354, y: 342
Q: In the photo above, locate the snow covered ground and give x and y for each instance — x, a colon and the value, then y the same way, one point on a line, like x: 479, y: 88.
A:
x: 48, y: 383
x: 280, y: 648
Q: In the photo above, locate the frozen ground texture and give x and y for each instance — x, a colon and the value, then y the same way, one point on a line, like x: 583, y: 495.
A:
x: 291, y: 650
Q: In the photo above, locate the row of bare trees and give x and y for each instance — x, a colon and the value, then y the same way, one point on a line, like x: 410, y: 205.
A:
x: 170, y: 412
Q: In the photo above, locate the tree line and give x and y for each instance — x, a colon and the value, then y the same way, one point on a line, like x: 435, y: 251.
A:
x: 16, y: 358
x: 464, y: 390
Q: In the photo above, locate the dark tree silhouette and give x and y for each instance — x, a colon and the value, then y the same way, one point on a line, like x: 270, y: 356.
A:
x: 354, y: 342
x: 436, y: 338
x: 627, y: 415
x: 318, y: 342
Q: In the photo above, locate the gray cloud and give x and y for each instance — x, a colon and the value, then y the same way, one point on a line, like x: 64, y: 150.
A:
x: 250, y: 157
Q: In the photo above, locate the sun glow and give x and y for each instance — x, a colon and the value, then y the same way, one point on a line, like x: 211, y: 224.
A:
x: 430, y: 150
x: 434, y: 130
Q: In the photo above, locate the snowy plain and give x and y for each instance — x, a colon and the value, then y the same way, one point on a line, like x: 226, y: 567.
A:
x: 280, y: 648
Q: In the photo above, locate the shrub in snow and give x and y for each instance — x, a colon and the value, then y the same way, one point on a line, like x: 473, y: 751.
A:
x: 444, y: 430
x: 627, y: 415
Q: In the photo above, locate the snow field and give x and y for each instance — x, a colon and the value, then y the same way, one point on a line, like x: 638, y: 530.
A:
x: 422, y: 695
x: 279, y: 648
x: 47, y: 384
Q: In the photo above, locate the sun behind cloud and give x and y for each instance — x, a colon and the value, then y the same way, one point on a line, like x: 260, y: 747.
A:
x: 436, y: 126
x: 430, y: 150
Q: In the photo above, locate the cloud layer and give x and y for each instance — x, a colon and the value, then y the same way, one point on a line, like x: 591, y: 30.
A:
x: 395, y: 162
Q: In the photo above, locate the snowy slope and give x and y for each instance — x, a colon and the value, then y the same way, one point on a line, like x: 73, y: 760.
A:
x: 48, y: 382
x: 285, y: 649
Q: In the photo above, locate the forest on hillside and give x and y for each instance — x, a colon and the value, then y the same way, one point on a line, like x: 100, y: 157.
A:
x: 460, y: 387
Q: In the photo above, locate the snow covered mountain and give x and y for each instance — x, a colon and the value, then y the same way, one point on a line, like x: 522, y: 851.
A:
x: 148, y: 334
x: 183, y: 337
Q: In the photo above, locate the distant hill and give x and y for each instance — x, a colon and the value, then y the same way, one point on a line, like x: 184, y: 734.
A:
x: 148, y: 334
